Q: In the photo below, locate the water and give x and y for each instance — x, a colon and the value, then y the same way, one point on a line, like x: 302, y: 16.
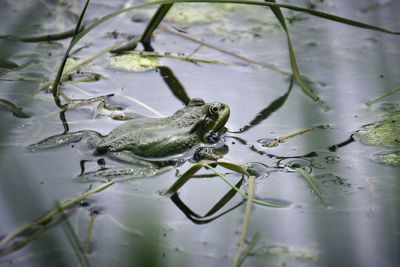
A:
x: 353, y: 66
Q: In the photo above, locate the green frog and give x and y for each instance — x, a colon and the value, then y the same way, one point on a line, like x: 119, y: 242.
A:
x: 149, y: 143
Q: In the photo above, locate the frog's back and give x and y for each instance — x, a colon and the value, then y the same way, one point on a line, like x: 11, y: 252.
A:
x: 154, y: 136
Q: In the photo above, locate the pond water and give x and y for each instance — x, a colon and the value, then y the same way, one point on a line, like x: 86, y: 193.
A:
x: 134, y: 224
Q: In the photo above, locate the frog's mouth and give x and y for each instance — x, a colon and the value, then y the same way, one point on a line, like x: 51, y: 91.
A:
x: 223, y: 117
x: 218, y: 129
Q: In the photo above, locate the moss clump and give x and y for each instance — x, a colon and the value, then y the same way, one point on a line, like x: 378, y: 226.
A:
x: 385, y: 133
x: 390, y: 158
x: 236, y: 23
x: 135, y: 63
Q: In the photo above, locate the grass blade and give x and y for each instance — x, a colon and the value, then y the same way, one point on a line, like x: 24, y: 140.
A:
x: 293, y: 62
x: 174, y: 84
x: 245, y: 2
x: 249, y: 202
x: 13, y: 108
x: 193, y: 169
x: 279, y: 139
x: 52, y: 36
x: 153, y: 24
x: 73, y: 239
x: 313, y: 186
x: 382, y: 96
x: 48, y: 216
x: 183, y: 179
x: 249, y: 248
x: 64, y: 60
x: 168, y: 3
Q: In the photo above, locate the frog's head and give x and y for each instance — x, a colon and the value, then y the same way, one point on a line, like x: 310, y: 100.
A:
x: 214, y: 117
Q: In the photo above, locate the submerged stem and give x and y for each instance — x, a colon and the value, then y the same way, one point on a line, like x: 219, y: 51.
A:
x: 250, y: 191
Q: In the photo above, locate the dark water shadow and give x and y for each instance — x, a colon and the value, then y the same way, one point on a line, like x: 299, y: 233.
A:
x: 266, y: 112
x: 203, y: 219
x: 174, y: 84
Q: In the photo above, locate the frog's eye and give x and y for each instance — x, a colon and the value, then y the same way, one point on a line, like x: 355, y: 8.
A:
x: 213, y: 110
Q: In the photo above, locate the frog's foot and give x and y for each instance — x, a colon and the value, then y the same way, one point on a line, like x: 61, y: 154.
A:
x: 66, y: 138
x: 119, y: 174
x: 210, y: 153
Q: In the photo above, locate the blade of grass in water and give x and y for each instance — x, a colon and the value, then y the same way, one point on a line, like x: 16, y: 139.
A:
x: 295, y: 69
x: 244, y: 2
x: 13, y: 108
x: 52, y: 37
x: 382, y: 96
x: 240, y: 257
x: 273, y: 5
x: 248, y: 2
x: 73, y: 239
x: 48, y: 216
x: 249, y: 248
x: 64, y: 60
x: 277, y: 140
x: 194, y: 168
x: 7, y: 64
x: 145, y: 38
x: 153, y: 24
x: 313, y: 186
x: 70, y: 69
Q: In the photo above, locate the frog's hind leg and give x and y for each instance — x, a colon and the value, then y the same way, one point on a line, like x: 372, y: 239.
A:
x: 92, y: 138
x: 118, y: 174
x: 130, y: 157
x: 62, y: 139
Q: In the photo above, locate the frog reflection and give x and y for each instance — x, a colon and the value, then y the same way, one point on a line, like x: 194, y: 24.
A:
x: 145, y: 142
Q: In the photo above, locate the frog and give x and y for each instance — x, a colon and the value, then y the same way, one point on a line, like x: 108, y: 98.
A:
x: 152, y: 144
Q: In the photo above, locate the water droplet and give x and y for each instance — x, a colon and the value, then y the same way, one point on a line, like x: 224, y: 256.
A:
x: 266, y: 141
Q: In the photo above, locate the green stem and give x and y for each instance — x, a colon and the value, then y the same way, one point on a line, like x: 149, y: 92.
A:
x: 247, y: 212
x: 313, y: 186
x: 382, y: 96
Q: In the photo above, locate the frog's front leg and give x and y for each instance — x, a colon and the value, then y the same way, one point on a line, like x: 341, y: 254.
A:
x: 140, y: 168
x: 210, y: 153
x: 93, y: 138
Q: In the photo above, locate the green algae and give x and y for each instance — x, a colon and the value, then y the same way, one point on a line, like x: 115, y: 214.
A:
x: 390, y: 158
x: 136, y: 63
x: 221, y: 20
x: 385, y: 133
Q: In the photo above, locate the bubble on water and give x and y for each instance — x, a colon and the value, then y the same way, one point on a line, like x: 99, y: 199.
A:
x: 259, y: 170
x: 290, y: 164
x: 266, y: 141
